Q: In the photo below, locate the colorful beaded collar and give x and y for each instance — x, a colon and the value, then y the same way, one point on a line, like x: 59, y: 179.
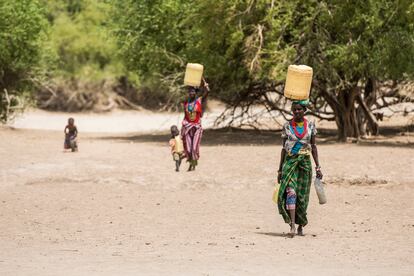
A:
x: 295, y: 130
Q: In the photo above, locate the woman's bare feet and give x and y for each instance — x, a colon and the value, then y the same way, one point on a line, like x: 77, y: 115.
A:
x: 300, y: 230
x: 292, y: 230
x: 192, y: 166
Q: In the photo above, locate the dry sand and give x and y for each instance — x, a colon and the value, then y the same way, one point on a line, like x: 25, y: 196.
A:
x: 118, y: 208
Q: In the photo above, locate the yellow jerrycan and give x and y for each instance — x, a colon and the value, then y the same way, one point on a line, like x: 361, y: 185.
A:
x: 193, y: 74
x: 298, y: 82
x: 179, y: 147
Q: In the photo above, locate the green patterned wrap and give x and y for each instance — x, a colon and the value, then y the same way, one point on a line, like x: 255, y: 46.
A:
x: 297, y: 174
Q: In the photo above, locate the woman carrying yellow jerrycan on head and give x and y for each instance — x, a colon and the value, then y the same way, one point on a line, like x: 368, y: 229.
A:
x: 299, y: 143
x: 192, y: 131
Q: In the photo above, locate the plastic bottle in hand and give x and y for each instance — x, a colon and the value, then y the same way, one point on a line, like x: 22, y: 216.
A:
x: 320, y: 191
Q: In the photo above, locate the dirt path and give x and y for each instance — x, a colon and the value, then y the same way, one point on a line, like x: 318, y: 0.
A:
x: 118, y: 208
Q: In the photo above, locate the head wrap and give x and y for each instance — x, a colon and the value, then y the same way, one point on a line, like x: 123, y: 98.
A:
x: 303, y: 103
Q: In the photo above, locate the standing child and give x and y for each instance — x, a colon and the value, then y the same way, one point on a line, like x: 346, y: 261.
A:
x: 71, y: 132
x: 177, y: 147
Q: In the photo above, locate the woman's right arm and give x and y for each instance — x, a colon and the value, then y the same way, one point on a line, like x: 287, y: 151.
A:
x: 282, y: 159
x: 206, y: 89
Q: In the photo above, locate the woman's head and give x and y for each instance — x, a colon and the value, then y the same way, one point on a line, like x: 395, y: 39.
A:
x: 299, y: 109
x: 71, y: 121
x: 192, y: 92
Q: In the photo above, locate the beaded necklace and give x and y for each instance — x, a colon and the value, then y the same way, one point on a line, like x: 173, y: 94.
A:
x: 191, y: 105
x: 294, y: 126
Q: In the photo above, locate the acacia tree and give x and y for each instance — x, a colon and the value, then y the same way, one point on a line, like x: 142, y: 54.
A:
x: 247, y: 46
x: 353, y: 47
x: 22, y: 29
x: 156, y: 38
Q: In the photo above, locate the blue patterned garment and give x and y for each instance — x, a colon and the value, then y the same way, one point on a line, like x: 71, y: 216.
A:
x: 296, y: 148
x: 295, y: 145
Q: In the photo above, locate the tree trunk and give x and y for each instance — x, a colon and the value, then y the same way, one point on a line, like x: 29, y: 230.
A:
x: 367, y: 122
x: 354, y: 117
x: 345, y: 111
x: 371, y: 125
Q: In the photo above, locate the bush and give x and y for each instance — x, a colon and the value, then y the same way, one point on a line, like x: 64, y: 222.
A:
x: 23, y: 28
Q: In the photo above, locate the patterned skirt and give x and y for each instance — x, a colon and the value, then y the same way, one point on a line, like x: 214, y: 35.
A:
x: 296, y: 176
x: 191, y: 134
x: 70, y: 141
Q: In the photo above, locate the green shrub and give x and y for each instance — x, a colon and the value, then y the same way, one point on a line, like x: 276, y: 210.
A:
x: 23, y: 28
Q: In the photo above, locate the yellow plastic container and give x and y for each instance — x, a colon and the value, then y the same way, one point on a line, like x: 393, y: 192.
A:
x: 275, y: 194
x: 298, y: 82
x: 193, y: 74
x: 179, y: 147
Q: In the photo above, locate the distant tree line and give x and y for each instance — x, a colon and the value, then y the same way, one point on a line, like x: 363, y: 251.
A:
x: 360, y: 51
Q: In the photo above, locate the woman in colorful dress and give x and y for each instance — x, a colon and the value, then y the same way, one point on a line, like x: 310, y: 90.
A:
x: 192, y: 130
x: 295, y: 169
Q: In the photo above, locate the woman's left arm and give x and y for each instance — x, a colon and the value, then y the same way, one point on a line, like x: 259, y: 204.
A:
x: 315, y: 157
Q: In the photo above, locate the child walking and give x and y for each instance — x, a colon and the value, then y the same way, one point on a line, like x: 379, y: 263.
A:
x: 177, y: 147
x: 71, y: 132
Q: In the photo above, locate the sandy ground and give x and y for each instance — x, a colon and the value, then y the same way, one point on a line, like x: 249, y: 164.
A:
x: 118, y: 208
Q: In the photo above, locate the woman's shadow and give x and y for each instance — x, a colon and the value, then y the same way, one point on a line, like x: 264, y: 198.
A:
x: 280, y: 235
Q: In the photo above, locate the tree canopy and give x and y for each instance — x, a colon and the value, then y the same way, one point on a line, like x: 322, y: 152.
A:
x: 247, y: 46
x: 22, y: 29
x: 355, y: 48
